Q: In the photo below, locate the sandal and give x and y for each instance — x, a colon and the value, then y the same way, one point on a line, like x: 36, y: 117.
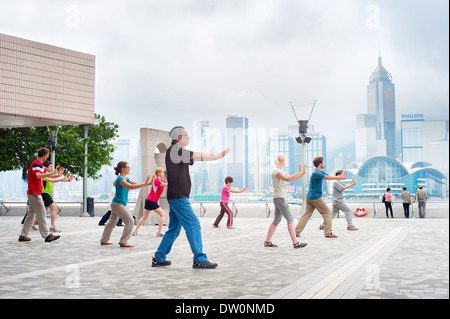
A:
x: 299, y: 245
x: 269, y: 244
x: 331, y: 236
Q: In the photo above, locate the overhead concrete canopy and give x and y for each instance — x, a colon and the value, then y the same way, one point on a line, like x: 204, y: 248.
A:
x: 44, y: 85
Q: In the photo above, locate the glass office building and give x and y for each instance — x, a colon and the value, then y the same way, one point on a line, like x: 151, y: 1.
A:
x: 236, y: 161
x: 380, y: 172
x: 381, y: 103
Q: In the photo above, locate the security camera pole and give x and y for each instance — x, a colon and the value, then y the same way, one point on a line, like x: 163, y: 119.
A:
x: 305, y: 114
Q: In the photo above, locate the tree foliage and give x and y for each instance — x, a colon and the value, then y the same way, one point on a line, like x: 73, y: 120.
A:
x: 19, y: 147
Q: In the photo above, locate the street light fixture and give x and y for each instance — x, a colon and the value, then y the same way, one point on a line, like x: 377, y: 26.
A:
x: 302, y: 111
x: 52, y: 143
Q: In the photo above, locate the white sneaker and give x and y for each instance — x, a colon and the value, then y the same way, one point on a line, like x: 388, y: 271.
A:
x: 54, y: 230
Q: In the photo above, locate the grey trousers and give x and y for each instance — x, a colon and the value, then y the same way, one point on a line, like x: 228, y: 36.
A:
x: 118, y: 211
x: 422, y: 207
x: 282, y: 209
x: 345, y: 209
x: 36, y: 210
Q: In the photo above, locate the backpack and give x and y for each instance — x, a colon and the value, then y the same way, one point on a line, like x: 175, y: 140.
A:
x: 383, y: 199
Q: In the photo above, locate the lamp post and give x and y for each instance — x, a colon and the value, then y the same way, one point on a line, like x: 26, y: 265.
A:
x: 52, y: 141
x: 304, y: 109
x: 86, y: 128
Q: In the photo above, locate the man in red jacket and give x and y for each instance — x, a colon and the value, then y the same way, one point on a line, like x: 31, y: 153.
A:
x: 36, y: 175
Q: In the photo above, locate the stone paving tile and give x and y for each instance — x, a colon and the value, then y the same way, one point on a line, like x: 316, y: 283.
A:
x: 77, y: 266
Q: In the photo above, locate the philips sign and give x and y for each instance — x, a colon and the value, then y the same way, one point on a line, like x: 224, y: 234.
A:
x: 412, y: 116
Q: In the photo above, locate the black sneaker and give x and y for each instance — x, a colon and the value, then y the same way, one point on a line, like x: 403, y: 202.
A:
x: 203, y: 265
x: 51, y: 237
x: 156, y: 263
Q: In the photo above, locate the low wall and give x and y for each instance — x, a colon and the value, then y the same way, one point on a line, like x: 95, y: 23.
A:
x: 243, y: 209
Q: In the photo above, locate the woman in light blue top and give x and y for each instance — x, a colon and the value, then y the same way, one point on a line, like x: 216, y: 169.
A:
x: 118, y: 210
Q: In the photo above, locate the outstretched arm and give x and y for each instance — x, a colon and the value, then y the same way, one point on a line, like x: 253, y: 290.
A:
x: 352, y: 184
x: 203, y: 157
x: 134, y: 185
x: 234, y: 191
x: 337, y: 178
x: 289, y: 178
x: 56, y: 173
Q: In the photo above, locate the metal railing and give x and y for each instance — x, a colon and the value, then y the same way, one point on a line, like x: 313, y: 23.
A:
x: 5, y: 207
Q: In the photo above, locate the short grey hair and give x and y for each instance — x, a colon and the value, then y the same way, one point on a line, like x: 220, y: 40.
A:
x: 175, y: 132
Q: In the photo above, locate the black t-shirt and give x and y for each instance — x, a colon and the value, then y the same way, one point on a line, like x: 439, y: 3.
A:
x: 178, y: 160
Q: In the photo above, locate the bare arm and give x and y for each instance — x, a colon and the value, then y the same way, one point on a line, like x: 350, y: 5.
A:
x: 203, y: 157
x: 134, y: 185
x: 289, y: 178
x: 66, y: 178
x: 56, y: 173
x: 235, y: 191
x: 337, y: 178
x: 352, y: 184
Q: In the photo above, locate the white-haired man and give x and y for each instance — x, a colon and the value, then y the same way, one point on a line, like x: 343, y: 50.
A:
x: 181, y: 214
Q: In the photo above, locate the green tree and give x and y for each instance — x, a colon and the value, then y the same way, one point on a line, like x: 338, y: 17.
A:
x: 19, y: 147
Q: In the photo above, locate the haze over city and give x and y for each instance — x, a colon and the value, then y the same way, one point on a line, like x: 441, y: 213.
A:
x: 166, y: 63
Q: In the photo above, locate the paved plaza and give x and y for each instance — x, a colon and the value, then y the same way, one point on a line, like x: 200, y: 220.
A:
x: 385, y: 259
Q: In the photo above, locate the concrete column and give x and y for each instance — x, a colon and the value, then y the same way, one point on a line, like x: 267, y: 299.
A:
x: 154, y: 144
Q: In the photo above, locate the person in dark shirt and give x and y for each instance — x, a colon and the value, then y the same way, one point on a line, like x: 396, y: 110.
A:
x: 181, y: 214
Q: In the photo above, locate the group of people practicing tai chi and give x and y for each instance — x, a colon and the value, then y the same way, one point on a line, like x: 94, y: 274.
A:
x: 313, y: 200
x: 178, y: 183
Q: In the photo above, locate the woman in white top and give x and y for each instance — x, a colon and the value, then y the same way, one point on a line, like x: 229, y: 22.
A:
x: 279, y: 199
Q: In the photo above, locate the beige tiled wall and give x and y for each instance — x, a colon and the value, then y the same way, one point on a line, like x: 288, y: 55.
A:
x: 41, y: 84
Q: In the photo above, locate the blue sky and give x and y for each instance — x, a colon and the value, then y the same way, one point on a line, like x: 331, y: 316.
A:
x: 162, y: 63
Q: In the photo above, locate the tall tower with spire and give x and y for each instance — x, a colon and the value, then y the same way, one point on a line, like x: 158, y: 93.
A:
x: 381, y: 104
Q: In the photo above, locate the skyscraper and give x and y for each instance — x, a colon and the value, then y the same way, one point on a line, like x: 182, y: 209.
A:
x: 199, y: 172
x: 375, y: 130
x: 236, y: 162
x: 425, y: 140
x: 381, y: 103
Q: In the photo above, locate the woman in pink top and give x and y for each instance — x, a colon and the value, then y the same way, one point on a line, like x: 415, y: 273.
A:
x: 388, y: 202
x: 224, y: 203
x: 151, y: 203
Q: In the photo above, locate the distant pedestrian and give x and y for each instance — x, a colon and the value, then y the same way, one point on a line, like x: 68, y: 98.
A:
x: 421, y: 196
x: 36, y: 175
x: 406, y: 199
x: 181, y: 214
x: 280, y: 201
x: 105, y: 217
x: 388, y: 202
x: 151, y: 202
x: 118, y: 209
x: 338, y: 201
x: 314, y: 199
x: 224, y: 200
